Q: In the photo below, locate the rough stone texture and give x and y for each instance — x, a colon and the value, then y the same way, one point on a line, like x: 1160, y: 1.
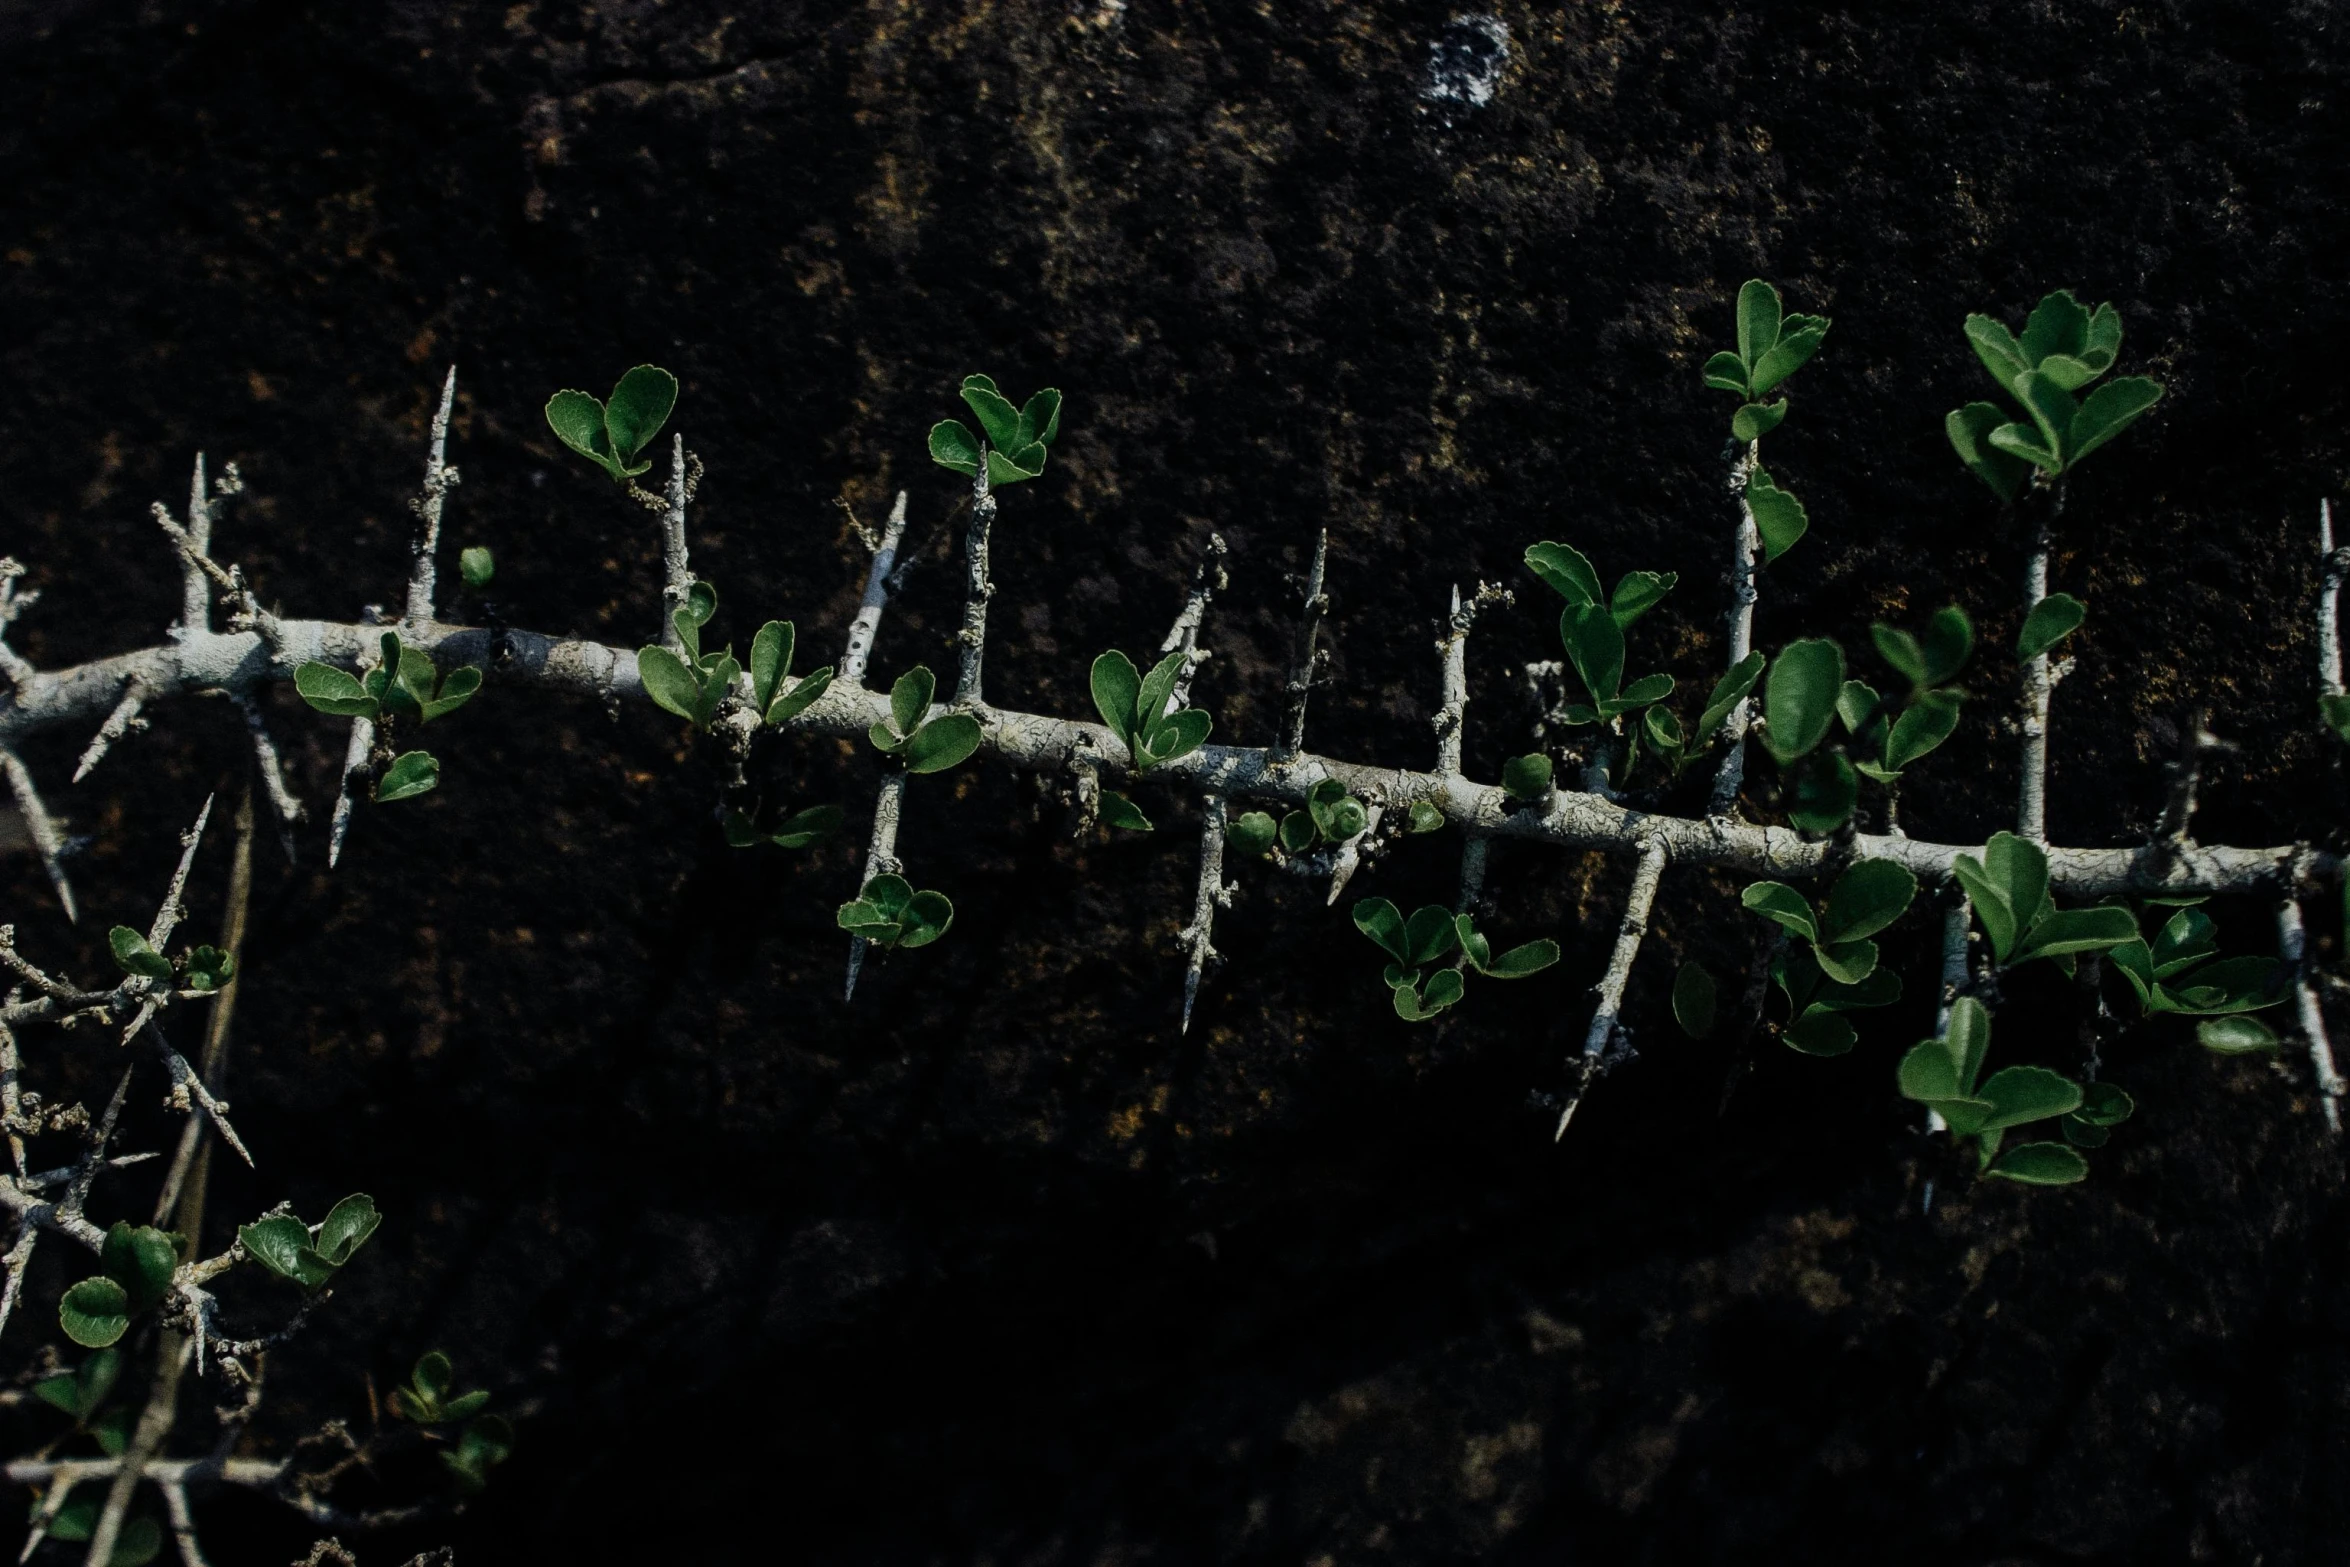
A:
x: 994, y: 1266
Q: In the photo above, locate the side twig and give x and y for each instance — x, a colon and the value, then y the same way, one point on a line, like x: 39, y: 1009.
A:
x: 1606, y: 1022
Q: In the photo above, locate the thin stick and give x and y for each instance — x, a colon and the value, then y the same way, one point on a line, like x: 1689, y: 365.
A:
x: 1604, y: 1021
x: 187, y: 1183
x: 283, y: 804
x: 48, y: 842
x: 355, y: 753
x: 881, y: 858
x: 677, y: 573
x: 2335, y: 563
x: 2032, y: 790
x: 977, y: 590
x: 1301, y: 670
x: 2293, y: 948
x: 195, y: 590
x: 118, y: 723
x: 439, y: 479
x: 1197, y: 937
x: 19, y: 673
x: 868, y: 622
x: 1746, y: 545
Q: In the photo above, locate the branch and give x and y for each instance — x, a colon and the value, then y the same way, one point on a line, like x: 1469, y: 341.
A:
x: 439, y: 480
x: 1605, y: 1027
x: 2335, y: 563
x: 877, y: 591
x: 118, y: 723
x: 1206, y: 896
x: 881, y: 858
x: 2293, y: 949
x: 1301, y: 670
x: 2186, y: 774
x: 40, y: 826
x: 677, y: 573
x: 282, y: 802
x: 1746, y: 544
x: 13, y: 604
x: 2032, y: 791
x: 977, y: 590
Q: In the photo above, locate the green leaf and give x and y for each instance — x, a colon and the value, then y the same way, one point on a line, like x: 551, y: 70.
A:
x: 476, y: 565
x: 1118, y: 811
x: 2019, y: 440
x: 2186, y: 939
x: 1881, y: 989
x: 910, y: 697
x: 2052, y: 409
x: 811, y: 826
x: 672, y: 686
x: 1693, y: 1000
x: 1846, y: 962
x: 771, y: 655
x: 466, y: 1405
x: 1347, y: 820
x: 802, y: 696
x: 2018, y: 1094
x: 2076, y: 930
x: 1664, y: 733
x: 346, y: 1228
x: 954, y: 447
x: 1428, y: 935
x: 1425, y: 817
x: 1929, y: 721
x: 141, y: 1260
x: 1179, y: 734
x: 1819, y: 1033
x: 1901, y: 650
x: 941, y: 743
x: 455, y: 692
x: 1566, y: 570
x: 1444, y: 988
x: 281, y: 1243
x: 1526, y: 779
x: 2335, y: 712
x: 1781, y: 903
x: 1997, y: 348
x: 2059, y: 324
x: 2018, y: 868
x: 1158, y: 689
x: 996, y: 414
x: 1595, y: 646
x: 2235, y: 1036
x: 2053, y: 619
x: 1798, y: 698
x: 1856, y: 705
x: 1970, y: 429
x: 1949, y: 643
x: 2040, y: 1164
x: 1014, y: 467
x: 928, y: 915
x: 640, y: 406
x: 1383, y: 923
x: 94, y: 1313
x: 1251, y: 835
x: 1638, y: 592
x: 1297, y: 832
x: 889, y: 893
x: 1726, y: 372
x: 1869, y: 896
x: 134, y: 956
x: 2103, y: 340
x: 1116, y: 686
x: 412, y: 773
x: 331, y: 690
x: 1732, y: 689
x: 577, y: 418
x: 1779, y: 518
x: 1756, y: 420
x: 2245, y: 984
x: 1040, y: 419
x: 1826, y: 790
x: 1641, y: 692
x: 1799, y: 339
x: 2102, y: 1104
x: 1758, y: 322
x: 1518, y: 962
x: 2108, y: 411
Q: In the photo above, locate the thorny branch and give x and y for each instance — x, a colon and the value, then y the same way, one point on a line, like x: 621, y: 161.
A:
x: 1607, y: 1029
x: 1745, y: 547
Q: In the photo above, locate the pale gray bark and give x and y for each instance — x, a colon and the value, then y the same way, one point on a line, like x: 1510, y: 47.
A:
x: 1606, y: 1018
x: 1301, y: 670
x: 1745, y: 547
x: 2293, y: 949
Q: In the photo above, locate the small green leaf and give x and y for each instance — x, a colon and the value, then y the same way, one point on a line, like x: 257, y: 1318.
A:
x: 910, y: 697
x: 1758, y: 322
x: 928, y: 915
x: 1996, y: 346
x: 1929, y: 721
x: 1846, y: 962
x: 941, y: 743
x: 279, y: 1242
x: 771, y: 655
x: 1726, y: 372
x: 1347, y: 820
x: 2019, y: 1094
x: 94, y: 1313
x: 954, y: 447
x: 640, y: 406
x: 1118, y: 811
x: 1693, y: 1000
x: 1799, y: 698
x: 331, y: 690
x: 2108, y: 411
x: 1014, y: 467
x: 1781, y: 903
x: 1595, y: 646
x: 1383, y: 923
x: 346, y: 1228
x: 2053, y: 619
x: 2335, y: 712
x: 1297, y: 832
x: 1444, y: 988
x: 2067, y: 931
x: 1518, y: 962
x: 811, y: 826
x: 2040, y: 1164
x: 1949, y: 642
x: 1756, y: 420
x: 1425, y: 817
x: 1040, y: 419
x: 1856, y: 705
x: 1250, y: 834
x: 141, y: 1260
x: 1429, y: 934
x: 1826, y: 790
x: 1898, y: 648
x: 134, y: 956
x: 1732, y: 689
x: 2103, y: 1104
x: 412, y: 773
x: 1638, y: 592
x: 888, y: 892
x: 803, y: 695
x: 577, y: 418
x: 996, y: 414
x: 1970, y: 430
x: 1820, y: 1033
x: 1526, y: 779
x: 455, y: 692
x: 2235, y: 1036
x: 1869, y: 896
x: 1779, y: 518
x: 1566, y: 570
x: 476, y: 565
x: 672, y: 686
x: 1799, y: 339
x: 1178, y: 734
x: 1117, y: 686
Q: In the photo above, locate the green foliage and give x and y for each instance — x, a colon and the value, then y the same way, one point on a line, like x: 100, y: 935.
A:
x: 476, y: 565
x: 1694, y: 1000
x: 775, y: 696
x: 1779, y: 518
x: 1945, y: 1075
x: 813, y: 825
x: 82, y: 1391
x: 427, y: 1400
x: 311, y: 1255
x: 1120, y: 812
x: 1418, y: 944
x: 612, y: 435
x: 2181, y: 971
x: 925, y: 745
x: 136, y: 1266
x: 486, y: 1443
x: 1592, y: 628
x: 1661, y: 732
x: 1771, y: 347
x: 694, y: 684
x: 403, y: 683
x: 2009, y: 889
x: 135, y: 957
x: 1424, y: 816
x: 1526, y: 779
x: 1332, y: 816
x: 2065, y: 346
x: 889, y: 913
x: 2334, y: 712
x: 1140, y: 709
x: 1250, y: 835
x: 1835, y: 970
x: 1015, y: 438
x: 1890, y: 733
x: 2051, y: 620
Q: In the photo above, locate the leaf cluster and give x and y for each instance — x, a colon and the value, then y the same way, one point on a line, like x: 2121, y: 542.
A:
x: 889, y: 913
x: 1592, y: 627
x: 613, y: 435
x: 924, y: 744
x: 2009, y: 889
x: 1771, y: 347
x: 403, y: 684
x: 1836, y: 968
x: 1433, y: 932
x: 1016, y: 438
x: 1945, y: 1075
x: 311, y: 1255
x: 695, y: 685
x: 2065, y: 346
x: 199, y: 968
x: 427, y: 1400
x: 2181, y: 972
x: 1140, y: 709
x: 136, y: 1266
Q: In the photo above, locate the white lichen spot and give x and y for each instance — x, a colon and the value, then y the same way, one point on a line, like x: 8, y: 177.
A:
x: 1466, y: 61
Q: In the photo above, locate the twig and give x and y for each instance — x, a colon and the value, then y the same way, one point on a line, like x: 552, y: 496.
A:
x: 677, y: 573
x: 1197, y: 937
x: 1746, y: 544
x: 881, y: 858
x: 287, y: 809
x: 1605, y: 1026
x: 2293, y: 949
x: 977, y: 590
x: 118, y: 723
x: 2032, y: 790
x: 183, y: 1525
x: 12, y: 604
x: 2335, y: 563
x: 1301, y: 669
x: 187, y: 1183
x: 877, y: 591
x: 48, y: 842
x: 195, y: 591
x: 439, y: 479
x: 2186, y: 774
x: 156, y: 1419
